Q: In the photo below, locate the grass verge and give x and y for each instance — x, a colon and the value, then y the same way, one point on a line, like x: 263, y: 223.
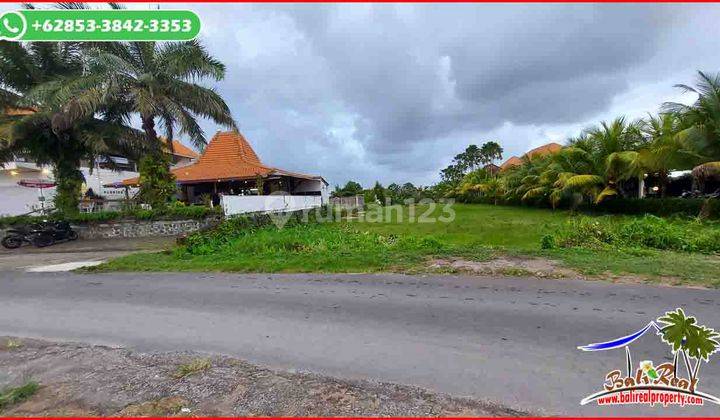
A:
x: 12, y: 396
x: 400, y: 243
x: 192, y: 368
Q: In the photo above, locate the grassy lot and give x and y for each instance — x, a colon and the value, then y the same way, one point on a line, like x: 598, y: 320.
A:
x: 478, y: 232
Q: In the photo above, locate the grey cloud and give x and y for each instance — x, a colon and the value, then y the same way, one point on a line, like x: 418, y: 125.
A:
x: 393, y: 91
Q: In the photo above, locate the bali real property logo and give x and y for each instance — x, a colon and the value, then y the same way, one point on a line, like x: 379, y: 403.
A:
x: 663, y: 384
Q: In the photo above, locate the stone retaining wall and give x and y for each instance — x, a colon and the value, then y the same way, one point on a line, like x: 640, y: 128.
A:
x: 143, y: 228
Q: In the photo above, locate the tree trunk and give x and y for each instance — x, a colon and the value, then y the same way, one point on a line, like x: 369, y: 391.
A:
x: 641, y: 186
x: 69, y: 182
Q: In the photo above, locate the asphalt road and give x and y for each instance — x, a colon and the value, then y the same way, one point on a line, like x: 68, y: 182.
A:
x: 512, y: 341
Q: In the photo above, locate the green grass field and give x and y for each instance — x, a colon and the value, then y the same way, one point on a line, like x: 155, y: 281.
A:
x: 478, y: 232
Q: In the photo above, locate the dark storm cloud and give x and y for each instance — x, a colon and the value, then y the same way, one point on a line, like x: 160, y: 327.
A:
x: 392, y: 92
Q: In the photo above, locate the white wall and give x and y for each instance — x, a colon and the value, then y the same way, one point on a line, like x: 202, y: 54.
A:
x: 15, y: 199
x: 238, y: 204
x: 314, y: 185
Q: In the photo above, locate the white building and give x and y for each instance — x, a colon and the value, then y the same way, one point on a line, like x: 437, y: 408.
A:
x: 16, y: 199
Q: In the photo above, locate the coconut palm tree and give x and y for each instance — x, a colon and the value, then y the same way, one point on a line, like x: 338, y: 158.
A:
x: 667, y: 150
x: 38, y: 131
x: 701, y: 120
x: 158, y: 82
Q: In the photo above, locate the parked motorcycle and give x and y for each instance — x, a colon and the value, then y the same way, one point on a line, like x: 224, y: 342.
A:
x: 39, y: 234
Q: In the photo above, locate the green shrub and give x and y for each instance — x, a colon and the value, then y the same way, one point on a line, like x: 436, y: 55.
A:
x: 173, y: 212
x: 690, y: 207
x: 11, y: 396
x: 548, y: 242
x: 642, y: 232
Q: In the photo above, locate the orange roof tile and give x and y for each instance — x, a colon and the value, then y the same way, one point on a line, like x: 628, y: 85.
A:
x: 181, y: 150
x: 544, y: 150
x: 11, y: 111
x: 512, y: 161
x: 228, y: 156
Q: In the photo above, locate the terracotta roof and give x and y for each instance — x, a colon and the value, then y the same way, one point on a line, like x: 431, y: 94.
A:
x: 11, y: 111
x: 228, y: 156
x: 544, y: 150
x: 512, y: 161
x: 538, y: 151
x: 181, y: 150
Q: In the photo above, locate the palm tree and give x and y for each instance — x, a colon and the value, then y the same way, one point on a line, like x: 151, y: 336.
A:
x: 667, y: 150
x: 685, y: 337
x: 159, y: 82
x: 701, y: 120
x: 604, y: 146
x: 39, y: 132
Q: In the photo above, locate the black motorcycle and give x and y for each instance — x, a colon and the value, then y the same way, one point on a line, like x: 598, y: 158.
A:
x: 39, y: 234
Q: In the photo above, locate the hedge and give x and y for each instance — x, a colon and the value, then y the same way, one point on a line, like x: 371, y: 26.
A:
x: 168, y: 213
x: 690, y: 207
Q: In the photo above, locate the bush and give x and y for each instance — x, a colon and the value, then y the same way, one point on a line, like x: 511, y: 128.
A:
x: 690, y: 207
x: 645, y: 232
x: 172, y: 212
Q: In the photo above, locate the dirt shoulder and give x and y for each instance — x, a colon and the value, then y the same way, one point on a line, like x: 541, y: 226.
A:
x: 82, y: 380
x: 81, y: 250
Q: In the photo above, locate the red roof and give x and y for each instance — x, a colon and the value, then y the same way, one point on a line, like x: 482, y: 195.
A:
x: 512, y: 161
x: 544, y: 150
x: 181, y: 150
x: 227, y: 157
x: 538, y: 151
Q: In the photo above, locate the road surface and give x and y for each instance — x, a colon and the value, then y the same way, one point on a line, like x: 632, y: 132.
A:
x: 508, y: 340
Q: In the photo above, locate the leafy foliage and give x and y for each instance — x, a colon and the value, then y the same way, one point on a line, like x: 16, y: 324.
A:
x: 610, y: 160
x: 157, y: 183
x: 646, y: 232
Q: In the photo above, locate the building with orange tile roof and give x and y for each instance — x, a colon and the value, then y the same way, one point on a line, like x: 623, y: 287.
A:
x: 543, y: 150
x: 510, y: 162
x: 229, y: 165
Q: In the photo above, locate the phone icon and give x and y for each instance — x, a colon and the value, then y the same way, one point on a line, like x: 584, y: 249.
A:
x: 8, y: 26
x: 12, y: 25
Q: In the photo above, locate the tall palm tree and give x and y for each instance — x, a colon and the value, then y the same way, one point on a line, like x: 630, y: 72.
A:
x: 159, y: 82
x: 603, y: 145
x: 667, y: 150
x: 701, y: 120
x: 26, y: 67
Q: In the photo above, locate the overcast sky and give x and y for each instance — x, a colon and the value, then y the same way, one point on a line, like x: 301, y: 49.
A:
x: 392, y: 92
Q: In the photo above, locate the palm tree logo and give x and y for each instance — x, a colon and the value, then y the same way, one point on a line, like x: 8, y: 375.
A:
x: 688, y: 339
x: 692, y: 342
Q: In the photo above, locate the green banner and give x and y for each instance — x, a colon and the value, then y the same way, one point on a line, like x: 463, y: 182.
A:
x: 99, y: 25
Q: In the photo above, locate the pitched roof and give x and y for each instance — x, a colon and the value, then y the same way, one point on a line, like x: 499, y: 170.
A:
x: 512, y: 161
x: 538, y: 151
x: 228, y: 156
x: 544, y: 150
x: 12, y: 111
x: 181, y: 150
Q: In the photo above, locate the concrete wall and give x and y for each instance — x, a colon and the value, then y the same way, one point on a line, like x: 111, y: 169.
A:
x: 143, y: 228
x: 239, y: 204
x: 354, y: 202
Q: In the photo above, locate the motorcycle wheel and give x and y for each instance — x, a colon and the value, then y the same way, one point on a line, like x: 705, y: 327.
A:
x: 12, y: 242
x: 72, y: 235
x: 42, y: 241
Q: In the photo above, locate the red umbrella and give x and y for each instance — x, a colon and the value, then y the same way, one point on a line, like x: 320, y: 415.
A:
x: 37, y: 183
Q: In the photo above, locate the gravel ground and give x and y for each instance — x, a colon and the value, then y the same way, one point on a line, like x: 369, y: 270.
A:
x: 82, y: 380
